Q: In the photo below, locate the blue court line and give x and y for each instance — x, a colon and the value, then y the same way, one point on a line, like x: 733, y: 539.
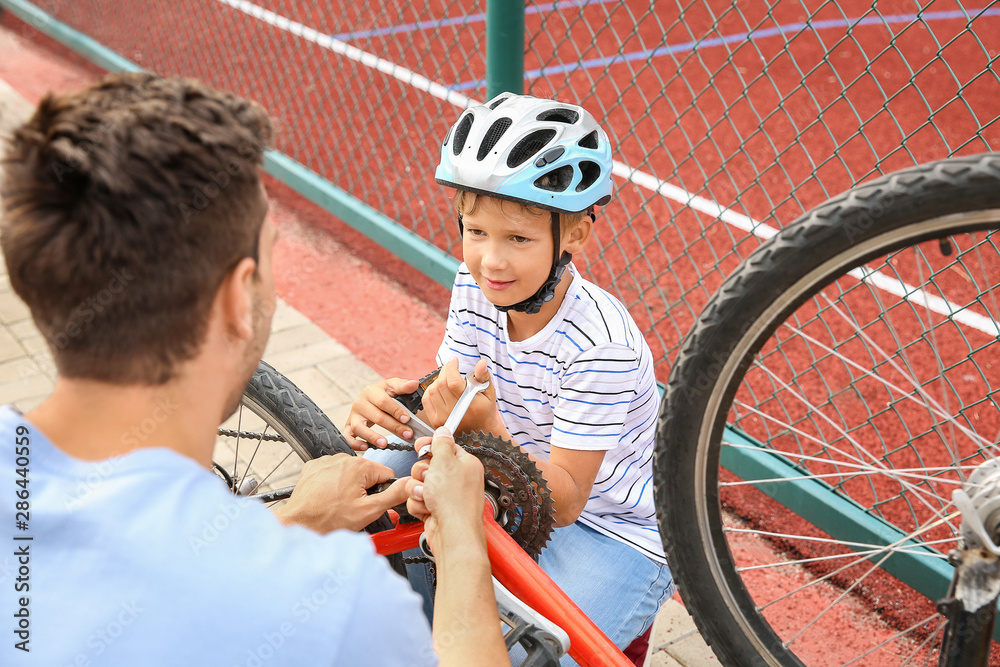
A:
x: 739, y: 37
x: 462, y: 20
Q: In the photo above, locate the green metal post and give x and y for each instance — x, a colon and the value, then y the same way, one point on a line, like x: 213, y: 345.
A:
x: 504, y: 47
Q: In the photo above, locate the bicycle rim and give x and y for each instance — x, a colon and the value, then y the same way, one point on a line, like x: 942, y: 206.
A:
x: 854, y: 383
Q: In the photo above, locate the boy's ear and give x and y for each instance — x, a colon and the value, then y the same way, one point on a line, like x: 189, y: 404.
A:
x: 575, y: 237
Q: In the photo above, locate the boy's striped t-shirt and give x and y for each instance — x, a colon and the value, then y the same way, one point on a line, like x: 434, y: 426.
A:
x: 584, y: 382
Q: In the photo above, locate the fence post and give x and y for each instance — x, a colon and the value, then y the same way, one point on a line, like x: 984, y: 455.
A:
x: 504, y: 47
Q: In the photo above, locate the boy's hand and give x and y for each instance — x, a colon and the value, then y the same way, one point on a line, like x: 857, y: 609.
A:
x: 440, y: 398
x: 375, y: 406
x: 447, y: 493
x: 332, y: 494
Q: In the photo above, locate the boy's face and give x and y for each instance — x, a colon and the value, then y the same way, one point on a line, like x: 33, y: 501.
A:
x: 508, y: 251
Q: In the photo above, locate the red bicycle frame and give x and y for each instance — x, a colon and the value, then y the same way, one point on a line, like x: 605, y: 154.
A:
x: 525, y: 580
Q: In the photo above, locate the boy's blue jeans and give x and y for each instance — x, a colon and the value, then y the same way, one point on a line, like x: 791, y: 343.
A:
x: 616, y: 586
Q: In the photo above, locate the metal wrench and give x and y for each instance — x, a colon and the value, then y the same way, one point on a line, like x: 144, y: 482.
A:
x: 472, y: 387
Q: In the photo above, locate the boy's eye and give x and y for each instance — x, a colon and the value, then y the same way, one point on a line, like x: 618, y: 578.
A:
x: 519, y: 239
x: 474, y: 232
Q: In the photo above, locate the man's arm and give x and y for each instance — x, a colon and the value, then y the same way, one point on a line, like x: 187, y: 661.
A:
x: 447, y: 492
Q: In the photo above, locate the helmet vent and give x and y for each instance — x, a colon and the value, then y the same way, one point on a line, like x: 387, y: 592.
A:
x: 493, y: 136
x: 498, y: 102
x: 461, y: 134
x: 556, y: 180
x: 589, y: 141
x: 527, y: 147
x: 561, y: 115
x: 448, y: 136
x: 591, y: 172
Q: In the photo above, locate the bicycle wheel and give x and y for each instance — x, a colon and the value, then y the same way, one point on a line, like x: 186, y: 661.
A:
x: 829, y: 398
x: 277, y: 428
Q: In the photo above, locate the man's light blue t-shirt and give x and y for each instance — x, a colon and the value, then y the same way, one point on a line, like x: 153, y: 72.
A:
x: 147, y: 559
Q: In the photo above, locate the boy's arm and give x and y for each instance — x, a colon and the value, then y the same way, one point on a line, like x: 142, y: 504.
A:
x: 569, y: 473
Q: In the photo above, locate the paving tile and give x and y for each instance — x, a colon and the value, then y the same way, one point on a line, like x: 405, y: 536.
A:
x: 349, y: 374
x: 286, y: 317
x: 676, y: 635
x: 10, y: 347
x: 693, y: 651
x: 319, y: 387
x: 12, y: 308
x: 34, y: 344
x: 663, y: 659
x: 26, y: 405
x: 27, y: 387
x: 18, y: 370
x: 305, y: 356
x: 294, y: 337
x: 24, y: 329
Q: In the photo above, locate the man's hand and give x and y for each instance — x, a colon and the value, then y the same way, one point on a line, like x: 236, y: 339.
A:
x: 440, y: 399
x: 447, y: 493
x: 375, y: 406
x: 332, y: 494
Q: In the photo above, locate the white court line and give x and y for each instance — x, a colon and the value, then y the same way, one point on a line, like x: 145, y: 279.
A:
x: 351, y: 52
x: 759, y: 229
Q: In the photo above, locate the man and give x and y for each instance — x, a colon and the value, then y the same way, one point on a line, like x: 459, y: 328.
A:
x: 146, y: 189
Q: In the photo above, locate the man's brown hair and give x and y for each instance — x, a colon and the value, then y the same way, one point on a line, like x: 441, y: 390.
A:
x: 124, y: 206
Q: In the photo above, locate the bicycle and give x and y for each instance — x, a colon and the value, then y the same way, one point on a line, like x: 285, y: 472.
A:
x: 830, y: 397
x: 277, y: 427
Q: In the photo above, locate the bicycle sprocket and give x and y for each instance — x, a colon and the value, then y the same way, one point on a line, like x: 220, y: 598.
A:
x: 526, y: 509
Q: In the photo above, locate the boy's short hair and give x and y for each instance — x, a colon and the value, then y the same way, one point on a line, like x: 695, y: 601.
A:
x: 124, y: 207
x: 465, y: 202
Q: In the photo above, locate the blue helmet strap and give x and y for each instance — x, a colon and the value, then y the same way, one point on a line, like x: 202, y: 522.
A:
x: 547, y: 291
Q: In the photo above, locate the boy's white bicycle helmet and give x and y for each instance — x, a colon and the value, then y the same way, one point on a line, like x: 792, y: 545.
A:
x: 532, y: 151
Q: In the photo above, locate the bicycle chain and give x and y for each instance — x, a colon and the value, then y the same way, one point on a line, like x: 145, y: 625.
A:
x: 250, y: 435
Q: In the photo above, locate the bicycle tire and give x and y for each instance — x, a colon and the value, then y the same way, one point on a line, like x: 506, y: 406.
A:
x: 293, y: 414
x: 762, y: 306
x: 301, y: 425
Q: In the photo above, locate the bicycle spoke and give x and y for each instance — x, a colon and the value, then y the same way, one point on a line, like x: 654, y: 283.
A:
x: 236, y: 456
x: 898, y: 635
x: 943, y: 414
x: 249, y: 464
x: 883, y: 469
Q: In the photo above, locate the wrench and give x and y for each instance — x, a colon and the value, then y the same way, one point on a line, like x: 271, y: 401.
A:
x: 472, y: 387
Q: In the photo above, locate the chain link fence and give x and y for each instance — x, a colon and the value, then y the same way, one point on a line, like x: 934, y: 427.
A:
x: 728, y: 121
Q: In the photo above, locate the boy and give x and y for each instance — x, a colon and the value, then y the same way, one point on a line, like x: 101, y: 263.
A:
x: 571, y: 378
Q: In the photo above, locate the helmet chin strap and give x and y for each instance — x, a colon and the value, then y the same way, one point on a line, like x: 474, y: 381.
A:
x: 533, y: 304
x: 547, y: 291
